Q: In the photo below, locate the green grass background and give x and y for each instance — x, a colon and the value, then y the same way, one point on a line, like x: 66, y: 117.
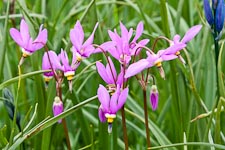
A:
x: 187, y: 92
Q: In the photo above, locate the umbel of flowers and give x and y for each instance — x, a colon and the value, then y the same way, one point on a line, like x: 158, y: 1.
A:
x: 125, y: 48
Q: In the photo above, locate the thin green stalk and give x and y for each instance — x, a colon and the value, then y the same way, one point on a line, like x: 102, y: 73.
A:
x: 125, y: 138
x: 146, y: 118
x: 15, y: 111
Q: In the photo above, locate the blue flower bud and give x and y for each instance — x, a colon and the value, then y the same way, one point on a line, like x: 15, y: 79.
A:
x: 220, y: 15
x: 208, y: 12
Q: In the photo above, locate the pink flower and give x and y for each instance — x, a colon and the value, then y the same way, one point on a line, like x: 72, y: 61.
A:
x: 154, y: 60
x: 82, y: 50
x: 110, y: 106
x: 25, y: 41
x: 50, y: 61
x: 125, y: 48
x: 189, y: 35
x: 67, y: 68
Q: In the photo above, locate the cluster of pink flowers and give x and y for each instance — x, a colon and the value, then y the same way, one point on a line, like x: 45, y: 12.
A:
x: 122, y: 47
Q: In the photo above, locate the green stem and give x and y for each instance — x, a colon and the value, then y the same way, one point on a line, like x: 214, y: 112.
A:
x: 146, y: 118
x: 125, y: 138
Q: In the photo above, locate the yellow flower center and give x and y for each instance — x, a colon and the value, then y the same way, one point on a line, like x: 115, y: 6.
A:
x: 158, y: 64
x: 177, y: 53
x: 110, y: 117
x: 69, y: 75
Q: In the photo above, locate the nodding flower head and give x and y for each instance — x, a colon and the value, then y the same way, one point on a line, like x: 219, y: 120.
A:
x: 82, y: 49
x: 154, y: 60
x: 69, y: 70
x: 25, y: 41
x: 154, y: 97
x: 57, y: 107
x: 125, y: 47
x: 110, y: 105
x: 50, y: 61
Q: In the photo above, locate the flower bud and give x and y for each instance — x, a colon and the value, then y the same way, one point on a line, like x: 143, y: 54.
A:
x: 57, y: 107
x: 154, y: 96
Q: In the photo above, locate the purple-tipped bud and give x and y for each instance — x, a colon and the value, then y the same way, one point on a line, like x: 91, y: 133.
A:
x: 220, y: 15
x: 208, y: 12
x: 154, y: 97
x: 57, y: 107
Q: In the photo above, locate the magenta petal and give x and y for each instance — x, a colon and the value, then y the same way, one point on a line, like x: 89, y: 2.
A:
x: 176, y: 39
x: 136, y: 51
x: 124, y: 32
x: 130, y: 33
x: 101, y: 114
x: 41, y: 39
x: 111, y: 71
x: 120, y: 78
x: 136, y: 68
x: 104, y: 47
x: 57, y: 108
x: 173, y: 49
x: 113, y: 51
x: 89, y: 41
x: 114, y: 101
x: 24, y: 31
x: 102, y: 72
x: 15, y: 34
x: 65, y: 61
x: 168, y: 57
x: 122, y: 98
x: 139, y: 30
x: 103, y: 97
x: 77, y: 35
x: 191, y: 33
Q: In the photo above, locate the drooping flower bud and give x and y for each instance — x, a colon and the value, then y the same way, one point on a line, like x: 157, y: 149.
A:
x: 154, y: 97
x: 57, y: 107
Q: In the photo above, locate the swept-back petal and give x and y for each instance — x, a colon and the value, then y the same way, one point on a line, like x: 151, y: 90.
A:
x: 102, y: 72
x: 114, y: 101
x: 191, y: 33
x: 136, y: 50
x: 176, y: 39
x: 41, y: 39
x: 111, y: 70
x: 24, y: 31
x: 105, y: 46
x: 173, y: 49
x: 139, y: 31
x: 16, y: 36
x: 101, y: 114
x: 77, y: 36
x: 136, y: 68
x: 89, y: 41
x: 124, y: 32
x: 122, y: 98
x: 65, y: 60
x: 130, y: 33
x: 103, y: 97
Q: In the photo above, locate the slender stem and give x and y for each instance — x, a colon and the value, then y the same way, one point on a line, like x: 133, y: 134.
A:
x: 66, y: 134
x: 125, y: 138
x: 146, y: 118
